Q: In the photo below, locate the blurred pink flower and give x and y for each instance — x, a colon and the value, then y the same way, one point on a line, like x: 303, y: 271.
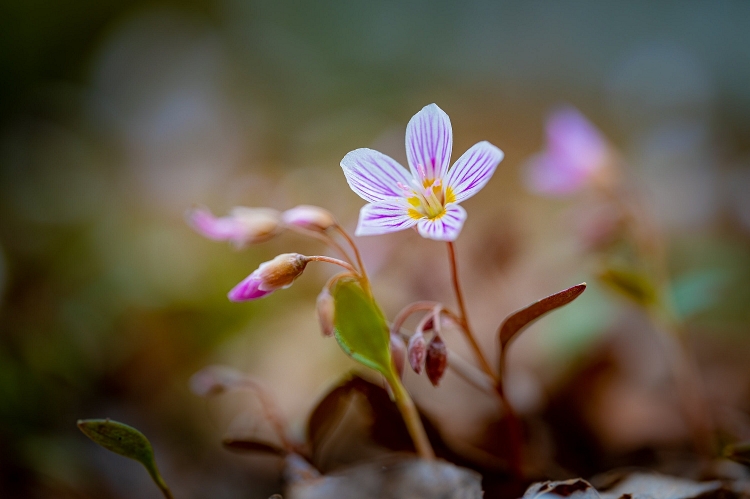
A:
x: 429, y: 196
x: 278, y: 273
x: 243, y: 225
x: 576, y: 152
x: 309, y: 217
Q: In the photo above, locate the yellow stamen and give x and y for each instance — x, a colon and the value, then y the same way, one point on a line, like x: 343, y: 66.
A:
x: 415, y: 214
x: 450, y: 197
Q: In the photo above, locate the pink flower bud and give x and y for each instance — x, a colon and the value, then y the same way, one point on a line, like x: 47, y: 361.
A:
x: 436, y: 360
x: 242, y: 226
x: 278, y: 273
x: 398, y: 353
x: 416, y: 351
x: 309, y: 217
x: 325, y: 308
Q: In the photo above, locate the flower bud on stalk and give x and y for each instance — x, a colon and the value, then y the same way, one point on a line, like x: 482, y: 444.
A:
x: 416, y: 351
x: 242, y: 226
x: 309, y: 217
x: 398, y: 353
x: 437, y: 359
x: 325, y: 309
x: 278, y: 273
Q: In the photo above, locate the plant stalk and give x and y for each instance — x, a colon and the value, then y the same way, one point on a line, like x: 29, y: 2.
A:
x: 411, y: 417
x: 514, y: 423
x: 464, y: 321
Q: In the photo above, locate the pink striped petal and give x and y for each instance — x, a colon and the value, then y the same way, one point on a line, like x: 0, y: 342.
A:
x: 385, y: 216
x: 473, y: 170
x: 429, y: 141
x: 373, y: 175
x: 446, y: 227
x: 249, y: 289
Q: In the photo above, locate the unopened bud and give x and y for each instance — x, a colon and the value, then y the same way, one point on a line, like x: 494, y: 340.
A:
x: 309, y: 217
x: 416, y: 351
x: 436, y: 360
x: 398, y: 353
x: 278, y: 273
x: 213, y: 380
x: 325, y: 308
x: 242, y: 226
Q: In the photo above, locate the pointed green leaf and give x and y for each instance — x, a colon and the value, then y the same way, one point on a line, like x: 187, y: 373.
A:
x: 126, y: 441
x: 631, y: 283
x: 360, y: 327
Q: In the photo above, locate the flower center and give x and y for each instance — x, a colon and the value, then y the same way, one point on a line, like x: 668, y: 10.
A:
x: 429, y: 199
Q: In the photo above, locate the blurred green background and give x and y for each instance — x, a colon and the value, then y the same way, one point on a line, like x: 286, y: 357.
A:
x: 117, y: 116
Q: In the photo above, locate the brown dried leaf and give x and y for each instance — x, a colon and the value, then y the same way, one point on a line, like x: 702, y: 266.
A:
x: 521, y: 319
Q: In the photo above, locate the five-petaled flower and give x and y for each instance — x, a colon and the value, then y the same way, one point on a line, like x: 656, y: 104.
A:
x: 576, y: 154
x: 429, y: 196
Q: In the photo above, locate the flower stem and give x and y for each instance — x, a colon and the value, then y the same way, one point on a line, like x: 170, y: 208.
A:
x: 335, y: 261
x: 464, y: 320
x: 514, y: 424
x: 324, y: 238
x: 357, y: 255
x: 411, y: 417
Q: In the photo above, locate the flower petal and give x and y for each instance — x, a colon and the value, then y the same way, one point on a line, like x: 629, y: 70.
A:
x: 573, y: 139
x: 552, y: 176
x: 373, y: 175
x: 446, y: 227
x: 429, y: 140
x: 385, y: 216
x: 248, y: 289
x: 472, y: 171
x: 216, y: 228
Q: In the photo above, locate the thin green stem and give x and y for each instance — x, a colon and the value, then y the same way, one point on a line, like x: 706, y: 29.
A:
x: 162, y: 485
x: 411, y: 417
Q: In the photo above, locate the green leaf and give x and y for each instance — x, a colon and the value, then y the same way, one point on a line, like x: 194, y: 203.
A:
x: 699, y: 290
x: 361, y: 328
x: 630, y: 283
x: 126, y: 441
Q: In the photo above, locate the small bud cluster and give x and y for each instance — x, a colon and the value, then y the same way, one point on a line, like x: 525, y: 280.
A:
x: 431, y: 356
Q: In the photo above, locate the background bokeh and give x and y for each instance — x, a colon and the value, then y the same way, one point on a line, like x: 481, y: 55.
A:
x: 117, y: 116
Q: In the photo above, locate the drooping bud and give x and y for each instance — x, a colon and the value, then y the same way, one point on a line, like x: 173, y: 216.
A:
x: 278, y: 273
x: 309, y: 217
x: 398, y: 353
x: 436, y: 359
x: 213, y: 380
x: 242, y: 226
x: 416, y: 351
x: 325, y: 309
